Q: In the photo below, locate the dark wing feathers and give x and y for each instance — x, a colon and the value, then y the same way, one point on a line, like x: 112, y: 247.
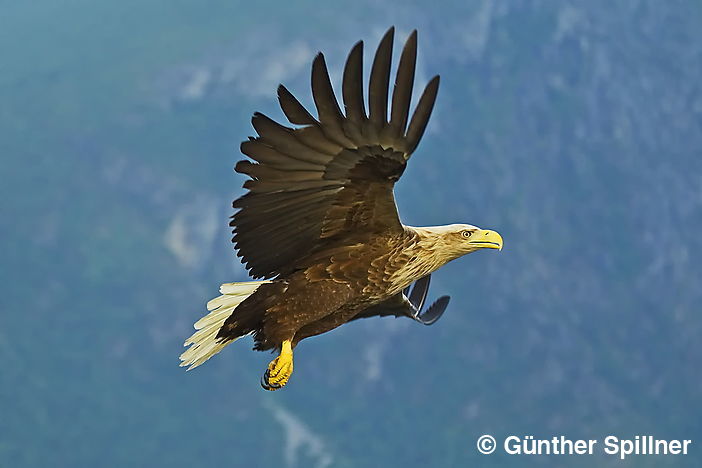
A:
x: 421, y: 115
x: 293, y: 110
x: 314, y: 186
x: 402, y: 93
x: 380, y: 80
x: 313, y: 137
x: 352, y: 90
x: 264, y: 154
x: 330, y: 116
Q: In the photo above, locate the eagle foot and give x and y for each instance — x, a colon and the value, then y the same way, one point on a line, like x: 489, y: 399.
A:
x: 280, y: 369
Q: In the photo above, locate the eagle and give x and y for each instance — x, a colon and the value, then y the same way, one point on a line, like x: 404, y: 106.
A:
x: 318, y: 229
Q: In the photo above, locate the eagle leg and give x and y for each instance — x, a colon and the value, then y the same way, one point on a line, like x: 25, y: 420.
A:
x: 280, y: 369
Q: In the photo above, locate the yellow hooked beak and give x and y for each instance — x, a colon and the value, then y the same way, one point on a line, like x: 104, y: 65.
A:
x: 486, y: 239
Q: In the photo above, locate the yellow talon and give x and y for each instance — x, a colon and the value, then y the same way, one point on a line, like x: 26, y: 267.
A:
x: 280, y: 369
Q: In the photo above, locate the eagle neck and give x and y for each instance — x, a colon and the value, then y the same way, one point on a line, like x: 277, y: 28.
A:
x: 424, y: 252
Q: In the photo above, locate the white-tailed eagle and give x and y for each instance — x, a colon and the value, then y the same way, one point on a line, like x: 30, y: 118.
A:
x: 319, y: 227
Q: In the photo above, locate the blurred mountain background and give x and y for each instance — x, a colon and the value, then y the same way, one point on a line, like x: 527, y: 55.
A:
x: 573, y: 128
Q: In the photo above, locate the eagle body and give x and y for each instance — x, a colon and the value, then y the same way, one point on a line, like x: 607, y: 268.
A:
x: 318, y: 228
x: 333, y: 286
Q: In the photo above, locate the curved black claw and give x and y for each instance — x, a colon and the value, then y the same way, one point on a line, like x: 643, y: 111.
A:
x: 434, y: 312
x: 266, y: 385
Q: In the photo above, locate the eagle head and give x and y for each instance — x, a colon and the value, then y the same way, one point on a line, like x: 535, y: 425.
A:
x: 452, y: 241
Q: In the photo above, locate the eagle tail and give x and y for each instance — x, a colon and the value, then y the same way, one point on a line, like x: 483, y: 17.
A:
x: 204, y: 343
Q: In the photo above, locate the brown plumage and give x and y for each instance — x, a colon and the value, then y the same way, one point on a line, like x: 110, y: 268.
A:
x: 319, y: 222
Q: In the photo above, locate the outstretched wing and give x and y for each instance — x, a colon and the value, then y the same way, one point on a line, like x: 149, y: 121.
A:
x: 311, y: 186
x: 406, y: 304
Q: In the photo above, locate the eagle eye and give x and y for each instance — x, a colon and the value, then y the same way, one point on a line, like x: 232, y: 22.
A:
x: 467, y: 234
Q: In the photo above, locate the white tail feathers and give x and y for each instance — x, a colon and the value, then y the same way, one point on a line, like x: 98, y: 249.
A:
x: 203, y: 343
